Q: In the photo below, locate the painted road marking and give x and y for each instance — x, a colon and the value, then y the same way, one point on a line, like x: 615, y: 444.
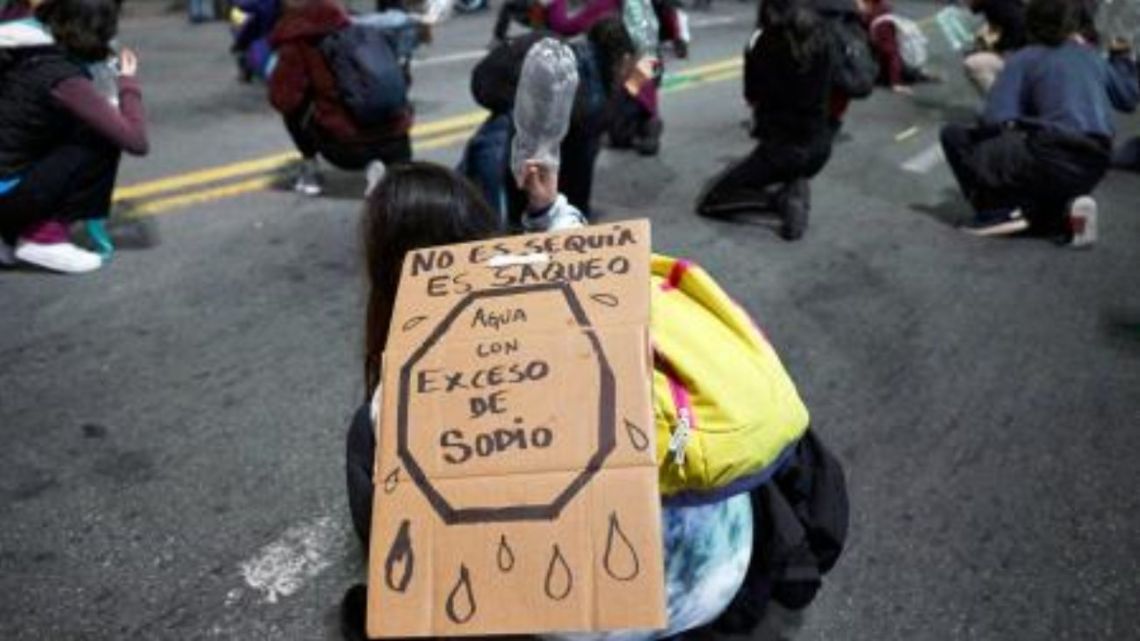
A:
x: 925, y: 160
x: 438, y: 134
x: 302, y: 552
x: 459, y: 56
x: 907, y: 134
x: 160, y: 206
x: 716, y: 21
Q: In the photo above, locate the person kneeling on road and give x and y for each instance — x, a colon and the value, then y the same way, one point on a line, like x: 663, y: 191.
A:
x: 353, y: 122
x: 60, y: 137
x: 787, y: 81
x: 1045, y: 140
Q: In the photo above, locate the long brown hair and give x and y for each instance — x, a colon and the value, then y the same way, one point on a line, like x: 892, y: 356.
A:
x: 417, y: 205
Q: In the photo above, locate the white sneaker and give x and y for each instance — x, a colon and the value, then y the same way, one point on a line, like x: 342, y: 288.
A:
x: 308, y: 179
x: 7, y: 255
x: 58, y: 257
x: 373, y: 174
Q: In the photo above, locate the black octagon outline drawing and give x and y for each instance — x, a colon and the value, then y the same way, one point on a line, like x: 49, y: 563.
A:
x: 607, y: 419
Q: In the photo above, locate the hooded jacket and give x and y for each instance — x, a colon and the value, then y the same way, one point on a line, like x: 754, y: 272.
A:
x: 302, y: 82
x: 47, y: 95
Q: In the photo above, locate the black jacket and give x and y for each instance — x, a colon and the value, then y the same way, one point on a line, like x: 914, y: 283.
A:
x: 790, y: 100
x: 31, y: 122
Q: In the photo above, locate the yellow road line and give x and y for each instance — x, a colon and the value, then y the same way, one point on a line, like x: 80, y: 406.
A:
x: 269, y: 163
x: 163, y: 205
x: 202, y: 176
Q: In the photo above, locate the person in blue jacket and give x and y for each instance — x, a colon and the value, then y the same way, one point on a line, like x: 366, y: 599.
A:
x: 1045, y: 140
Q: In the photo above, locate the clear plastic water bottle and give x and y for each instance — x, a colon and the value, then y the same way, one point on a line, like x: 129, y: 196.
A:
x: 641, y: 22
x: 543, y: 102
x: 956, y: 26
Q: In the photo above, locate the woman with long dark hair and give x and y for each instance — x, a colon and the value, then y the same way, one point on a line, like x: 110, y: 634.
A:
x: 707, y: 547
x: 788, y: 83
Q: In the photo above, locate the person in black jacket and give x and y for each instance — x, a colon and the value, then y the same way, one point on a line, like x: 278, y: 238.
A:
x: 605, y: 62
x: 787, y: 81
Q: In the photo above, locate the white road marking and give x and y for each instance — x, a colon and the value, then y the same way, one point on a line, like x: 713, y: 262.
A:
x: 459, y: 56
x: 925, y: 160
x: 281, y: 568
x: 714, y: 21
x: 476, y: 54
x: 907, y: 134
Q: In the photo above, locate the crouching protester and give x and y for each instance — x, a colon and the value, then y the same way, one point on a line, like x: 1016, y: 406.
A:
x: 1045, y: 140
x: 788, y: 80
x: 352, y: 120
x: 61, y: 134
x: 747, y: 521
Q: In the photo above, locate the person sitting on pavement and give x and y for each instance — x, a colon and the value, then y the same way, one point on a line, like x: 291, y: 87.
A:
x: 787, y: 81
x: 1003, y: 33
x: 60, y: 136
x: 708, y: 547
x: 305, y: 90
x: 894, y: 72
x: 1046, y: 136
x: 605, y: 64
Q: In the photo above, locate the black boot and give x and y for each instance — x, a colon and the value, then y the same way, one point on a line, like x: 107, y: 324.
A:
x: 648, y: 143
x: 353, y: 607
x: 795, y: 205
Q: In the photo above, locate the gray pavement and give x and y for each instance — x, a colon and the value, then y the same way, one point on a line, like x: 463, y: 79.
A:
x: 173, y: 424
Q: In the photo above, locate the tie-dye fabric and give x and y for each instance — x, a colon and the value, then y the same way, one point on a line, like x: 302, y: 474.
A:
x: 707, y: 549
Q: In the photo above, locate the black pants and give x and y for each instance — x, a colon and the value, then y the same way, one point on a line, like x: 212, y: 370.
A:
x: 360, y: 451
x: 354, y: 155
x: 770, y: 163
x: 73, y: 181
x: 1036, y: 170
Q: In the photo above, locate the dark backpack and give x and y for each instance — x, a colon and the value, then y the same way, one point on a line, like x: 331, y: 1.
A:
x: 855, y: 67
x: 368, y: 76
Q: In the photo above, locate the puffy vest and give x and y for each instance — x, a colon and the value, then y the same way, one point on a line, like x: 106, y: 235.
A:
x: 31, y: 123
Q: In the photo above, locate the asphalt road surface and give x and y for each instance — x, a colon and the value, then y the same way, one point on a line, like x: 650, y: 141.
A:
x: 172, y: 425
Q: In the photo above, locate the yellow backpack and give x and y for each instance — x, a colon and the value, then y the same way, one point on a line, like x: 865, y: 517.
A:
x: 727, y: 414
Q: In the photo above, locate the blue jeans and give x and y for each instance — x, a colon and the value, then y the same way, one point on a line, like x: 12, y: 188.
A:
x: 485, y: 162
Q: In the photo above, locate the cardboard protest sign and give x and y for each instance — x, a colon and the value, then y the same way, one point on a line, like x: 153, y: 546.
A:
x: 516, y: 481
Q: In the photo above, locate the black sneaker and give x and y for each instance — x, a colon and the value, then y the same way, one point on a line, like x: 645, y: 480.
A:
x: 352, y: 612
x: 649, y: 142
x: 794, y: 210
x: 1000, y: 222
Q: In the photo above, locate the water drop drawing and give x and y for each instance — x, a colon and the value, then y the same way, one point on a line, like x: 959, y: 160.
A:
x: 412, y: 322
x: 461, y: 602
x: 559, y: 579
x: 401, y: 560
x: 609, y: 300
x: 620, y: 560
x: 506, y: 555
x: 637, y: 436
x: 391, y: 481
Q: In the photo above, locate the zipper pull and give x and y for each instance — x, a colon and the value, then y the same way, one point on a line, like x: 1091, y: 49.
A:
x: 680, y: 437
